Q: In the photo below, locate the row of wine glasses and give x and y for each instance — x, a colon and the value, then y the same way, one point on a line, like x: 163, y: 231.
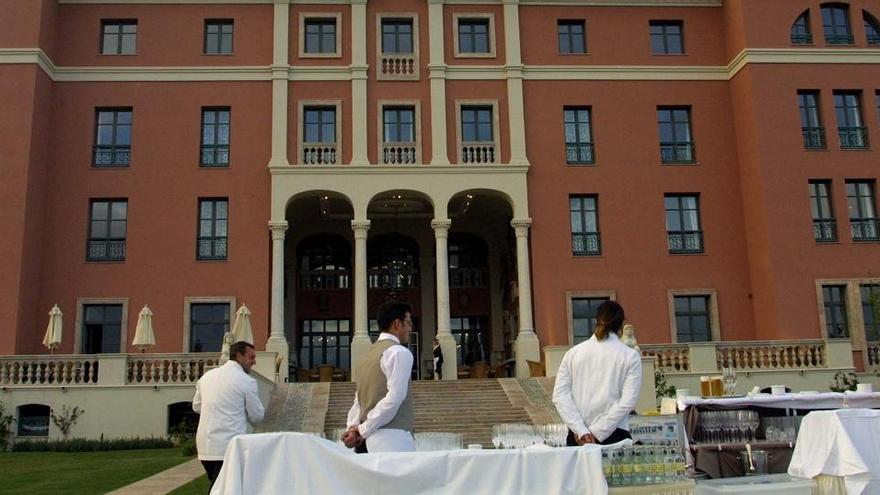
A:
x: 735, y: 426
x: 432, y: 441
x: 728, y: 377
x: 654, y: 463
x: 521, y: 435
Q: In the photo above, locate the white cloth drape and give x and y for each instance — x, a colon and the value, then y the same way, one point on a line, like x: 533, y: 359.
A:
x: 297, y: 463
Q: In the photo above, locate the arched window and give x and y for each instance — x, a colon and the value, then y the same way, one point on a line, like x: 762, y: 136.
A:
x: 324, y: 262
x: 800, y: 30
x: 468, y: 265
x: 33, y: 420
x: 872, y: 29
x: 835, y: 22
x: 182, y: 418
x: 393, y: 262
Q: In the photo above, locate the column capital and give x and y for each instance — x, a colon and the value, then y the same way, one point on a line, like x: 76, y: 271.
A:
x: 278, y: 229
x: 521, y: 225
x: 360, y: 228
x: 441, y: 226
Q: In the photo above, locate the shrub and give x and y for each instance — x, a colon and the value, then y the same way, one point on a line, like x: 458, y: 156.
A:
x: 844, y: 381
x: 663, y: 389
x: 88, y: 445
x: 66, y: 419
x: 6, y: 421
x: 184, y: 438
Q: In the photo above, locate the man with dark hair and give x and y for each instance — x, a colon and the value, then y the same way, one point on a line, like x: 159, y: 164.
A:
x: 227, y: 399
x: 382, y: 413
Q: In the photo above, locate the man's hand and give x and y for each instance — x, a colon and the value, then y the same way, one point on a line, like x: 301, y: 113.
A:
x: 352, y: 437
x: 586, y: 438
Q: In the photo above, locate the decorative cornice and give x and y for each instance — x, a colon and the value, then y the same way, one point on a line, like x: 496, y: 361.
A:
x: 398, y: 170
x: 441, y: 227
x: 360, y: 228
x: 521, y: 224
x: 866, y: 56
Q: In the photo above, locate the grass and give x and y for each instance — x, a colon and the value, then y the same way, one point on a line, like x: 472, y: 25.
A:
x: 198, y: 486
x: 82, y: 472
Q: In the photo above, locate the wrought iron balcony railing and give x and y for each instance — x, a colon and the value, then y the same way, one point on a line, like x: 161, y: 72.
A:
x: 324, y: 279
x: 853, y: 137
x: 460, y: 278
x: 825, y: 230
x: 392, y: 279
x: 587, y: 244
x: 677, y: 152
x: 212, y: 248
x: 865, y: 229
x: 802, y: 39
x: 215, y: 155
x: 839, y: 39
x: 685, y: 241
x: 111, y: 156
x: 106, y: 250
x: 814, y: 137
x: 579, y: 153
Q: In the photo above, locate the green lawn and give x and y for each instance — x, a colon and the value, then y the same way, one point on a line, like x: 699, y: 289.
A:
x: 198, y: 486
x: 81, y: 472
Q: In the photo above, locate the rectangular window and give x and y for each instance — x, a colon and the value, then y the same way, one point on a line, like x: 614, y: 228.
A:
x: 692, y: 321
x: 473, y: 36
x: 471, y: 339
x: 811, y: 123
x: 208, y: 322
x: 215, y: 137
x: 824, y: 225
x: 218, y: 37
x: 666, y: 37
x: 871, y: 311
x: 325, y: 342
x: 862, y: 210
x: 397, y: 36
x: 101, y: 328
x: 834, y: 300
x: 319, y: 125
x: 684, y: 234
x: 399, y: 124
x: 107, y: 227
x: 676, y: 144
x: 118, y: 37
x: 583, y: 317
x: 835, y: 21
x: 476, y: 124
x: 578, y: 135
x: 572, y: 39
x: 850, y: 126
x: 213, y: 235
x: 320, y: 36
x: 584, y: 213
x: 112, y: 137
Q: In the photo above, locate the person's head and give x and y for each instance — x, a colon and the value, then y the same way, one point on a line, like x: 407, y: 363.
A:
x: 244, y: 354
x: 436, y: 342
x: 395, y: 317
x: 609, y: 318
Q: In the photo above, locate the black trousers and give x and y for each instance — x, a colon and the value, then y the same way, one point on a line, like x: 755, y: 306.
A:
x: 618, y: 435
x: 213, y: 470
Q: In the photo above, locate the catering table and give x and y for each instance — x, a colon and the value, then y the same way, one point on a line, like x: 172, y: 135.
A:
x: 296, y: 463
x: 844, y: 443
x: 827, y: 400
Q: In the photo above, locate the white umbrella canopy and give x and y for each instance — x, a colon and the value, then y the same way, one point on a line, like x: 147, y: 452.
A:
x: 241, y: 329
x: 144, y: 337
x: 52, y: 340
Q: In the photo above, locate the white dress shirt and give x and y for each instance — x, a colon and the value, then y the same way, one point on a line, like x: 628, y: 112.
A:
x: 227, y: 399
x: 396, y: 363
x: 597, y: 386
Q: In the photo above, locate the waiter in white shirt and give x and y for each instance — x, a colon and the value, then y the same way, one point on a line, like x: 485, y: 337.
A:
x: 598, y: 382
x: 382, y: 414
x: 227, y: 399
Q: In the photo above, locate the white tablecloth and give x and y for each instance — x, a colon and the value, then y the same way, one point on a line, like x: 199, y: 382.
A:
x: 827, y: 400
x: 844, y: 443
x: 295, y: 463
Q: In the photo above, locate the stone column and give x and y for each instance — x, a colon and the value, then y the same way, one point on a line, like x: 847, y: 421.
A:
x: 526, y: 346
x: 444, y: 335
x: 277, y: 341
x: 360, y: 342
x: 515, y: 104
x: 280, y: 72
x: 437, y: 75
x: 359, y: 82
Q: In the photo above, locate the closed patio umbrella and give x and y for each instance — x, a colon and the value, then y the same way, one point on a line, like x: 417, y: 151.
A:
x: 241, y: 329
x: 144, y: 337
x: 52, y: 340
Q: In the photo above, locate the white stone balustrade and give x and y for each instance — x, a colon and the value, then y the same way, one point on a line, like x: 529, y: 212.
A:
x: 798, y: 354
x: 169, y: 368
x: 49, y: 370
x: 479, y: 153
x: 319, y: 154
x: 400, y: 153
x: 398, y: 66
x: 668, y: 358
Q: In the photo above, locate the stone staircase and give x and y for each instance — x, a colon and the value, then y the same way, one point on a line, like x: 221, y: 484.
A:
x: 469, y: 407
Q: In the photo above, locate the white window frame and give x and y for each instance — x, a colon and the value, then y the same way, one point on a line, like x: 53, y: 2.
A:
x: 458, y: 16
x: 82, y: 302
x: 417, y: 129
x: 714, y: 320
x: 308, y: 16
x: 592, y: 294
x: 187, y: 314
x: 414, y: 17
x: 337, y: 104
x: 496, y: 133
